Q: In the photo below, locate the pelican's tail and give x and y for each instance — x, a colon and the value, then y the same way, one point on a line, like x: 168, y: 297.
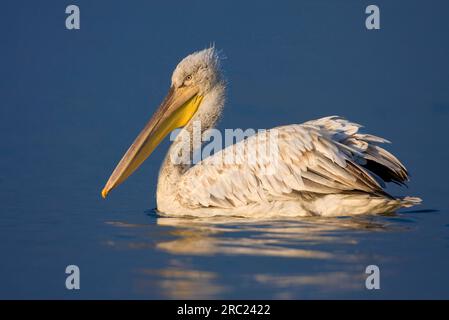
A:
x: 408, y: 202
x: 359, y: 203
x: 391, y: 205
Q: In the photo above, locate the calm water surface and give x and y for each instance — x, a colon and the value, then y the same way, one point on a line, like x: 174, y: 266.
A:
x: 72, y: 102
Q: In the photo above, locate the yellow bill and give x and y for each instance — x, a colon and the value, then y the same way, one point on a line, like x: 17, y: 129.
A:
x: 176, y: 110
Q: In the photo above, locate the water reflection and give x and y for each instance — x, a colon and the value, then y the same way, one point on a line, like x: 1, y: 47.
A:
x: 180, y: 281
x: 210, y: 258
x: 285, y: 238
x: 325, y: 281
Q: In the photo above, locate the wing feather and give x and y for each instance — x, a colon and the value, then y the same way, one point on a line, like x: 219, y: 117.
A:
x: 323, y: 156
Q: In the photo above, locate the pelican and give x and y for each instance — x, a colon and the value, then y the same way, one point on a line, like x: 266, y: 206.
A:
x: 326, y: 167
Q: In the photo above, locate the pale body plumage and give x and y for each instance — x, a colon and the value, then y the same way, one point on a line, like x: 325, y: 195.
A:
x: 325, y: 167
x: 320, y: 173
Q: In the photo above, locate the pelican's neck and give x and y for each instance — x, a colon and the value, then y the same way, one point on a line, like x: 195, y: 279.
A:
x: 180, y: 155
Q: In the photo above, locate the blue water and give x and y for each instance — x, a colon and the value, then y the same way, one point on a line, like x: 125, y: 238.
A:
x: 71, y: 102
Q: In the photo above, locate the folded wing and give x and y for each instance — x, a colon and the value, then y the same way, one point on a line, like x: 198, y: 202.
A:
x: 323, y: 156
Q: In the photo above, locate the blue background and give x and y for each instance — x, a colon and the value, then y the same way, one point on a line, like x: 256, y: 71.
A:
x: 71, y: 102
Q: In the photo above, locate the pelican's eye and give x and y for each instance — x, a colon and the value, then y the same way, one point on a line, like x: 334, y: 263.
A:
x: 188, y: 81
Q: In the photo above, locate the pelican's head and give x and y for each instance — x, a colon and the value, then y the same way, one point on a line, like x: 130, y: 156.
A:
x: 192, y: 80
x: 200, y: 70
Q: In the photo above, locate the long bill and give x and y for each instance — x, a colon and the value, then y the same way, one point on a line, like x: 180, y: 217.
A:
x: 175, y: 111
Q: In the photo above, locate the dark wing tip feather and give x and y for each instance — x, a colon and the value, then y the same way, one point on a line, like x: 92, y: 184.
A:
x: 387, y: 174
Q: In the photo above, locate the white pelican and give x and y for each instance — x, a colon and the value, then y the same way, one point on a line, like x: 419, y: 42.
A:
x: 326, y: 167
